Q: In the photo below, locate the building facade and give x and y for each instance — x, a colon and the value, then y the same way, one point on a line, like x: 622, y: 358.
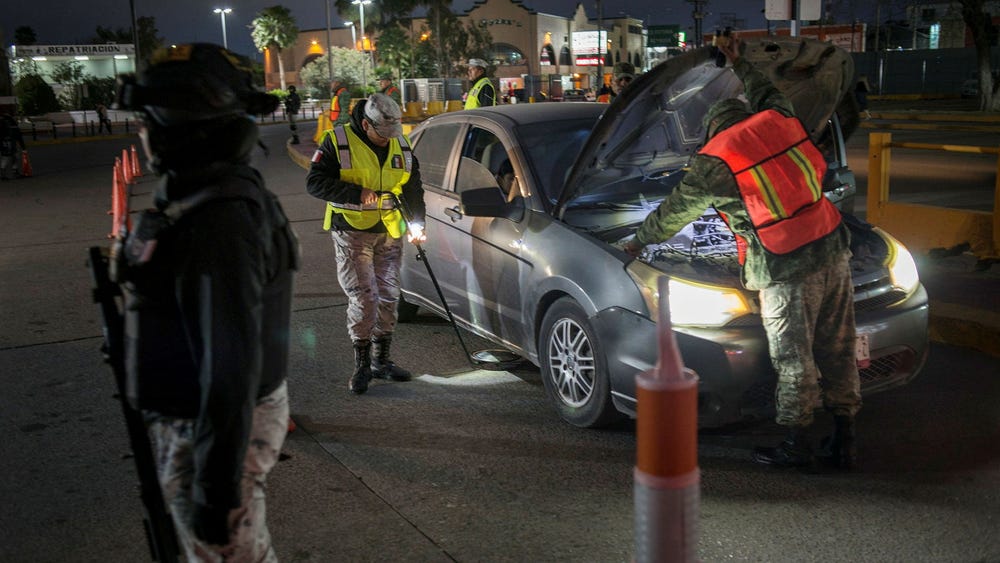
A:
x: 533, y: 51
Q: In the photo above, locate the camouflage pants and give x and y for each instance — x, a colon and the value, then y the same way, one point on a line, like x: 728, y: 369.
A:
x: 173, y: 441
x: 368, y: 271
x: 810, y: 334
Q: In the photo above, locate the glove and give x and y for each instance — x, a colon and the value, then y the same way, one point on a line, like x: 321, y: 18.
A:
x: 210, y: 524
x: 415, y: 233
x: 633, y: 247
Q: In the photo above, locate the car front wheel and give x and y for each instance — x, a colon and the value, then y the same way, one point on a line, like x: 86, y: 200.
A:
x: 573, y: 367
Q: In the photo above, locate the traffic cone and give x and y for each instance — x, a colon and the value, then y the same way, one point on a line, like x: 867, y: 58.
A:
x: 25, y: 164
x: 117, y: 204
x: 127, y: 167
x: 136, y: 167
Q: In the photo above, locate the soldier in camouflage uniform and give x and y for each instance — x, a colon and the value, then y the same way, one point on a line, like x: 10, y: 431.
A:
x: 363, y: 170
x: 800, y: 264
x: 207, y: 284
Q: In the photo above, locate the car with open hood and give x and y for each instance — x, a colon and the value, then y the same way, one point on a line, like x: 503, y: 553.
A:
x: 528, y: 207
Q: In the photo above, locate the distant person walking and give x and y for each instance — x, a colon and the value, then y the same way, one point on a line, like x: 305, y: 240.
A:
x: 10, y: 140
x: 482, y: 93
x: 102, y: 119
x: 340, y: 102
x: 622, y: 76
x: 292, y: 104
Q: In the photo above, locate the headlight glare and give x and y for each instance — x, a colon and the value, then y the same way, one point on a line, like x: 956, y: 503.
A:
x: 691, y: 303
x: 902, y: 268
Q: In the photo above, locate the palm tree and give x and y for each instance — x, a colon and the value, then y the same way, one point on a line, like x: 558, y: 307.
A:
x: 274, y: 28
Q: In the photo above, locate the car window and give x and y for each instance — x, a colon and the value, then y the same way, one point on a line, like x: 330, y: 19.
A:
x: 432, y: 149
x: 551, y: 148
x: 484, y: 162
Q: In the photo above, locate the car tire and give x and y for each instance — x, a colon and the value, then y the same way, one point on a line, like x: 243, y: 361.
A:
x: 573, y: 366
x: 406, y: 312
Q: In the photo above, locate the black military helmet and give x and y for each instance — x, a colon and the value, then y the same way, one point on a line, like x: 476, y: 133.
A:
x: 193, y: 82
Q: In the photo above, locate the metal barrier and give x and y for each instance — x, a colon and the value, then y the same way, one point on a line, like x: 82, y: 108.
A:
x: 926, y: 227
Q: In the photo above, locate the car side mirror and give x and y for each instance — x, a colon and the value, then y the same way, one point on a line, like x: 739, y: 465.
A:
x: 489, y: 202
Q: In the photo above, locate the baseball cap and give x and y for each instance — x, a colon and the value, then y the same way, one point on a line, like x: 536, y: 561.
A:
x: 384, y: 114
x: 385, y: 76
x: 478, y: 62
x: 624, y: 70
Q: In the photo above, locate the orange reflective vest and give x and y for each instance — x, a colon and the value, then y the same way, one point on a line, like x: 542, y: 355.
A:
x: 335, y: 108
x: 779, y: 172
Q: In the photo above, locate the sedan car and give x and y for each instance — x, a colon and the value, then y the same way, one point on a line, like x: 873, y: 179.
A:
x: 528, y: 206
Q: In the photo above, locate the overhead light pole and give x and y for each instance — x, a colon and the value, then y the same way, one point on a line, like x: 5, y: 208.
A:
x: 329, y: 45
x: 222, y: 15
x: 361, y: 4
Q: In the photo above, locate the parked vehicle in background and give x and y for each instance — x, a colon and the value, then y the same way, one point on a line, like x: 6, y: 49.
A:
x: 528, y: 205
x: 574, y: 95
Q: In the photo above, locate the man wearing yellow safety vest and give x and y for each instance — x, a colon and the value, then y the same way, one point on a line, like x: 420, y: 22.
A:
x: 763, y: 175
x: 482, y: 93
x: 365, y: 171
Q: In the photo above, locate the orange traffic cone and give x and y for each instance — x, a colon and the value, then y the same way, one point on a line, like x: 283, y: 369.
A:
x: 117, y: 195
x: 136, y: 167
x: 127, y: 167
x: 25, y: 164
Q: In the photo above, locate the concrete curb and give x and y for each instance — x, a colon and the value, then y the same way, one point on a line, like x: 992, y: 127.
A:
x: 964, y: 326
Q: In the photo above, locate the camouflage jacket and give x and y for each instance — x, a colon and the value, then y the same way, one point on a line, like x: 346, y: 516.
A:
x: 709, y: 183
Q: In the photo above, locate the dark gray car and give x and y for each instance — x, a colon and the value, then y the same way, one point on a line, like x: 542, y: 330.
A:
x: 527, y: 207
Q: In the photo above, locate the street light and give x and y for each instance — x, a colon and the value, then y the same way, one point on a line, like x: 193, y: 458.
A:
x: 354, y: 35
x: 361, y: 4
x: 222, y: 14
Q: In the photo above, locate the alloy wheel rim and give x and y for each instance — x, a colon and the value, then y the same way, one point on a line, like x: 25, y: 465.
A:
x: 572, y: 368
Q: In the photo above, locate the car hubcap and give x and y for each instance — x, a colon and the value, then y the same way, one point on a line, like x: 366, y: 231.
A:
x: 571, y: 363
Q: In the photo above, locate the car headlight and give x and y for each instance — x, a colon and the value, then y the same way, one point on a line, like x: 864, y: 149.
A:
x: 902, y: 268
x: 691, y: 303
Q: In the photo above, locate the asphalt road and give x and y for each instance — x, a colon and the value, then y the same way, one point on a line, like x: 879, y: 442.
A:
x: 457, y: 465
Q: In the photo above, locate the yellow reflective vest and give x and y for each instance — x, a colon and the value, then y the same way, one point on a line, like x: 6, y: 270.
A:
x: 359, y: 165
x: 472, y: 99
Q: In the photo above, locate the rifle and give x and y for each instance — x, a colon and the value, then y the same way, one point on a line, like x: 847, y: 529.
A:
x: 159, y: 525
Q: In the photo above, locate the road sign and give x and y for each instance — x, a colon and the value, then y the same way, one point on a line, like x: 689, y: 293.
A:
x: 662, y: 35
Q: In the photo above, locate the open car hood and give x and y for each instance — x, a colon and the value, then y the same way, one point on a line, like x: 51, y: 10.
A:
x: 652, y: 129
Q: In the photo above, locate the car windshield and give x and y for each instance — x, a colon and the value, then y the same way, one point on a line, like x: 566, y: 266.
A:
x: 551, y: 148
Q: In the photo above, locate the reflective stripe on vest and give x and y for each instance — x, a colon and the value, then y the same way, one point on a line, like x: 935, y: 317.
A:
x: 359, y: 165
x: 779, y: 172
x: 472, y: 100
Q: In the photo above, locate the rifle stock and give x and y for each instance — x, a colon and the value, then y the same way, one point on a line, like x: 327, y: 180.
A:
x: 159, y: 525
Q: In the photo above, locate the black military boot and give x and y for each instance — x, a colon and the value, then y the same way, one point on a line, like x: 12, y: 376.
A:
x: 362, y: 367
x: 839, y: 449
x: 382, y: 366
x: 794, y: 451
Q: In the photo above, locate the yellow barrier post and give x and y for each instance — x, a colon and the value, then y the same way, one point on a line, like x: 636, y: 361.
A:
x: 879, y: 155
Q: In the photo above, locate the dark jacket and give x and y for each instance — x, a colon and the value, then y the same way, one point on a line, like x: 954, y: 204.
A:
x: 207, y: 316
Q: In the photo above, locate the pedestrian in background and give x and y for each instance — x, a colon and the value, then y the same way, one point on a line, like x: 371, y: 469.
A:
x: 389, y: 89
x: 482, y: 93
x: 292, y: 104
x: 208, y: 288
x: 102, y: 119
x: 10, y: 139
x: 340, y: 102
x: 363, y: 170
x: 763, y: 175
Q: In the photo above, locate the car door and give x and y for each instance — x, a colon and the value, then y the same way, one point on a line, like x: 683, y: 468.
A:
x: 485, y: 280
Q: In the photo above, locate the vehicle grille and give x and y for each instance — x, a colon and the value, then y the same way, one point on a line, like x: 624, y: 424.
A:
x: 880, y: 301
x: 888, y: 369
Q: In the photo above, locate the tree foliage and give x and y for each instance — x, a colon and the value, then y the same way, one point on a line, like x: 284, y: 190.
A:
x: 347, y: 64
x: 25, y: 35
x: 147, y: 34
x: 980, y: 23
x: 275, y: 28
x: 35, y: 96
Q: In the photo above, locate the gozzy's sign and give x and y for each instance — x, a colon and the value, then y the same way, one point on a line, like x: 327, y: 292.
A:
x: 71, y: 50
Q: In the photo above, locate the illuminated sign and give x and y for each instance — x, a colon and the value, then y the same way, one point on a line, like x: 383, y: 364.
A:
x: 588, y: 43
x: 72, y: 50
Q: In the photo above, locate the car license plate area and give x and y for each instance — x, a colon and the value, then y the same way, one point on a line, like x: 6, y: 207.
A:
x: 862, y: 354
